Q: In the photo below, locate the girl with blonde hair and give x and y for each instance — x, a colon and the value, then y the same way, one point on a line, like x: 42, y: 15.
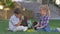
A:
x: 43, y: 24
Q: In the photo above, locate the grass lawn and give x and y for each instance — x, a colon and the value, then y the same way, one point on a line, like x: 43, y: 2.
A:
x: 4, y: 25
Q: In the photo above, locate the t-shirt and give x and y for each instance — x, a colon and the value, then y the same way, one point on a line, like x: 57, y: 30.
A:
x: 13, y: 21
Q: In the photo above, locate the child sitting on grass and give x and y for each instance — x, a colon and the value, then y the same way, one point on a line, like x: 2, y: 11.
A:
x: 43, y: 24
x: 15, y: 22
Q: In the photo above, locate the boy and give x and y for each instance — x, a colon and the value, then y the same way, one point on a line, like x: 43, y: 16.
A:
x: 43, y: 24
x: 14, y: 22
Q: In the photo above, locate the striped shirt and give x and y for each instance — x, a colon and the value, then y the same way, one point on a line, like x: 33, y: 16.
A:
x: 44, y: 20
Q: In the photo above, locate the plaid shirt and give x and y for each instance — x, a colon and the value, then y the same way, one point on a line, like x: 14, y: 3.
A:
x: 44, y: 20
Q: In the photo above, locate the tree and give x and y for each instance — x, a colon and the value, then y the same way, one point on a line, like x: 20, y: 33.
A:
x: 45, y: 1
x: 7, y: 3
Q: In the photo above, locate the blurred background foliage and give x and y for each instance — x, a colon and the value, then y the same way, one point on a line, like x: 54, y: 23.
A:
x: 14, y: 5
x: 54, y: 3
x: 7, y: 3
x: 32, y: 0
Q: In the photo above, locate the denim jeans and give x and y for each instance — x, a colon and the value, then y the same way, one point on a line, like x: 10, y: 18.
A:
x: 46, y: 29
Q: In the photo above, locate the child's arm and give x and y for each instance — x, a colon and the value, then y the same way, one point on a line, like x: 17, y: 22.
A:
x: 45, y: 23
x: 19, y: 23
x: 37, y: 25
x: 42, y: 26
x: 22, y: 18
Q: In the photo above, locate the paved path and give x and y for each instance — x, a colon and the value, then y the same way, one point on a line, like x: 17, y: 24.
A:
x: 34, y: 6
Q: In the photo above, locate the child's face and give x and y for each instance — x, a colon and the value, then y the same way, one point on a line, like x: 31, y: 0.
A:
x: 43, y: 11
x: 18, y: 15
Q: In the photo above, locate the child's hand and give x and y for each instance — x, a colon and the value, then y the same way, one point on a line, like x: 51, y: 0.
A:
x: 22, y: 17
x: 35, y: 26
x: 38, y: 27
x: 17, y: 25
x: 42, y: 27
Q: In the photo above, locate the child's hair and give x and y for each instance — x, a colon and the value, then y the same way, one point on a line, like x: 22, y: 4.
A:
x: 17, y: 11
x: 45, y: 6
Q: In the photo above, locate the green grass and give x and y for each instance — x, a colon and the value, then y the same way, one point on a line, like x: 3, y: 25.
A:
x: 4, y: 25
